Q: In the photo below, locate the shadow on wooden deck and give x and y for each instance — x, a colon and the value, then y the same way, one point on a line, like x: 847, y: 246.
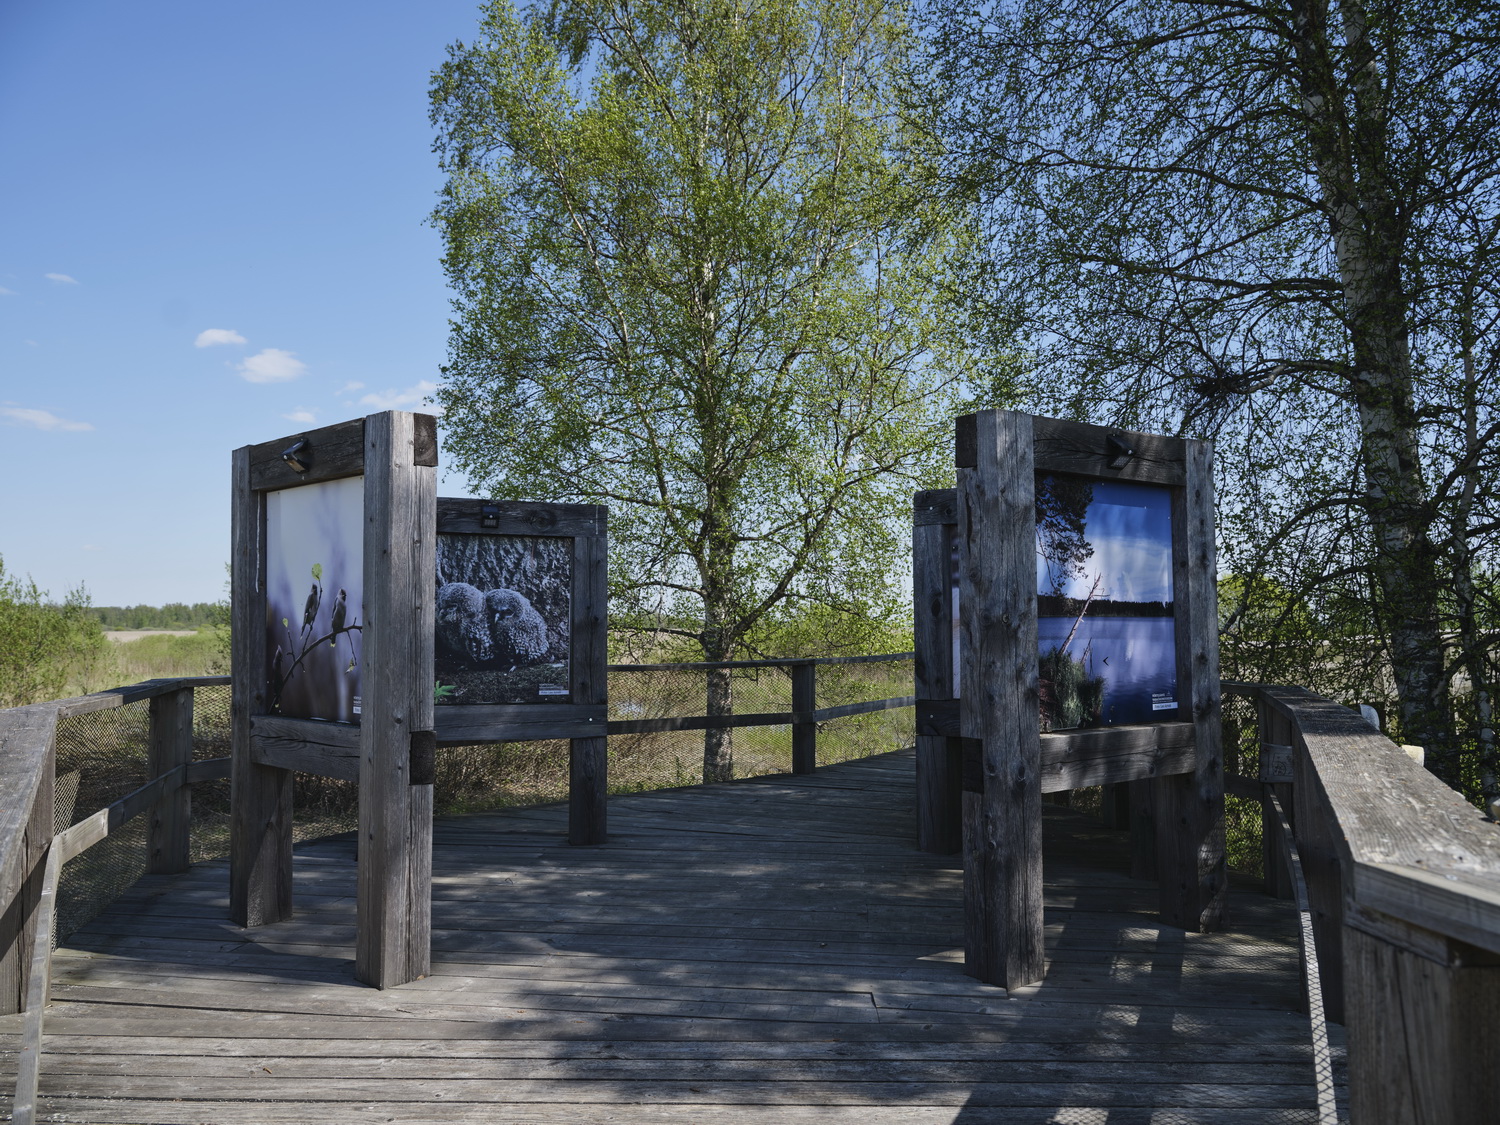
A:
x: 768, y: 950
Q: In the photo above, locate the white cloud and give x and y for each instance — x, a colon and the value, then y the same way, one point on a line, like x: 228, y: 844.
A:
x: 271, y: 365
x: 211, y: 336
x: 301, y: 414
x: 398, y: 400
x: 41, y: 419
x: 61, y: 278
x: 350, y: 387
x: 4, y: 292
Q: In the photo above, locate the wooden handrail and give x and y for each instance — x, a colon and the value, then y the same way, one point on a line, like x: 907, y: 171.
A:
x: 1403, y: 896
x: 777, y: 662
x: 31, y: 855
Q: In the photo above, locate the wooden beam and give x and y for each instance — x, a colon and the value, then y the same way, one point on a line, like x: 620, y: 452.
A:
x: 588, y: 757
x: 260, y: 821
x: 518, y: 722
x: 331, y: 453
x: 393, y: 943
x: 805, y: 729
x: 167, y: 842
x: 939, y: 765
x: 1190, y: 807
x: 999, y: 700
x: 518, y: 517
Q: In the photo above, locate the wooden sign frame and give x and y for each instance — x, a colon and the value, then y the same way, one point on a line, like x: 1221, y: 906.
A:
x: 583, y: 720
x: 939, y: 751
x: 1008, y: 762
x: 390, y: 753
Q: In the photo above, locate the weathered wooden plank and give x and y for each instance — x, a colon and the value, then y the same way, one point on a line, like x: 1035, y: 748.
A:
x: 518, y: 722
x: 211, y: 769
x: 805, y: 730
x: 86, y: 833
x: 38, y: 984
x: 105, y: 1110
x: 393, y: 942
x: 934, y: 506
x: 998, y: 689
x: 330, y: 452
x: 1077, y: 447
x: 132, y: 693
x: 171, y: 746
x: 260, y: 827
x: 1077, y: 759
x: 1190, y: 838
x: 27, y: 753
x: 588, y: 756
x: 1423, y: 1039
x: 325, y: 759
x: 520, y: 517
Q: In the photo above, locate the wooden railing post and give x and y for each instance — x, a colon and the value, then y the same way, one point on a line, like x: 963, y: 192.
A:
x: 804, y: 727
x: 1275, y: 733
x: 16, y: 929
x: 167, y: 842
x: 1423, y: 1044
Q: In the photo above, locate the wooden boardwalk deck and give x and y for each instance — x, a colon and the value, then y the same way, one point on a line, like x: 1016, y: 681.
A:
x: 768, y: 950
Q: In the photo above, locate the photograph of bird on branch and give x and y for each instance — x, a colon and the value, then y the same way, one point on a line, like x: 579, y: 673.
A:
x: 502, y: 618
x: 697, y: 277
x: 314, y: 633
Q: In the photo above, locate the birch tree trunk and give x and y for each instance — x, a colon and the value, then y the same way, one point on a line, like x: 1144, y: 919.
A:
x: 1367, y: 233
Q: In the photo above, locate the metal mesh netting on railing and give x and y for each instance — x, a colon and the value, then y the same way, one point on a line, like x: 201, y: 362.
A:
x: 101, y: 757
x: 859, y: 736
x: 1242, y: 817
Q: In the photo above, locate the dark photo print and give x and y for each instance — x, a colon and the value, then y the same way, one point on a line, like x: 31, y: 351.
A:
x: 502, y: 618
x: 1105, y: 629
x: 315, y: 551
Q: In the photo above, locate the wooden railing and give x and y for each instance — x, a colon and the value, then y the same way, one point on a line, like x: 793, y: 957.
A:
x: 804, y: 716
x: 1398, y: 881
x: 33, y: 850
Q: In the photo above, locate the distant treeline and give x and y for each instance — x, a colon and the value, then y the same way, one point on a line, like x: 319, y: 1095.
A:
x: 1048, y: 605
x: 174, y: 615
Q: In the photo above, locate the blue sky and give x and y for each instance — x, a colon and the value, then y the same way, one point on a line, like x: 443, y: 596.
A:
x: 213, y: 234
x: 1130, y: 528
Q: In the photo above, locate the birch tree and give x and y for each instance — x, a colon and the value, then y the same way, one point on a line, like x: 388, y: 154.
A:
x: 696, y: 279
x: 1271, y: 222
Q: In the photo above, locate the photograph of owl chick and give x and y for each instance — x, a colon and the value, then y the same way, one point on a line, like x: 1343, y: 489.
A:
x: 517, y: 631
x: 463, y: 627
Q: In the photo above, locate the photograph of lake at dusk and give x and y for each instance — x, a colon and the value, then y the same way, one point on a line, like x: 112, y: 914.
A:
x: 1105, y: 630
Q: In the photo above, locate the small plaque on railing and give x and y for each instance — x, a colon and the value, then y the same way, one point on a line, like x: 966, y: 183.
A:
x: 1275, y: 763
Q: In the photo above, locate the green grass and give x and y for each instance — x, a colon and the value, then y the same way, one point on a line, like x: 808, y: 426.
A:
x: 163, y: 655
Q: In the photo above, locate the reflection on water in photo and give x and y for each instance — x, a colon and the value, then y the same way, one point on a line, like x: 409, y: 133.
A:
x: 1136, y: 657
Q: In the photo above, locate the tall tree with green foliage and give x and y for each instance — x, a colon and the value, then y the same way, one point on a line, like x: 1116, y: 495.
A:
x: 45, y: 646
x: 1273, y: 222
x: 697, y: 279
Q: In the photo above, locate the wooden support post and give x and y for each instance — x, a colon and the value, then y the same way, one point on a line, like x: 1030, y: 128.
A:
x: 1190, y: 807
x: 1114, y: 805
x: 1424, y: 1043
x: 1320, y: 846
x: 167, y: 841
x: 17, y: 923
x: 998, y: 688
x: 804, y: 731
x: 588, y: 758
x: 939, y: 759
x: 1275, y: 730
x: 1142, y: 829
x: 260, y: 824
x: 394, y: 905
